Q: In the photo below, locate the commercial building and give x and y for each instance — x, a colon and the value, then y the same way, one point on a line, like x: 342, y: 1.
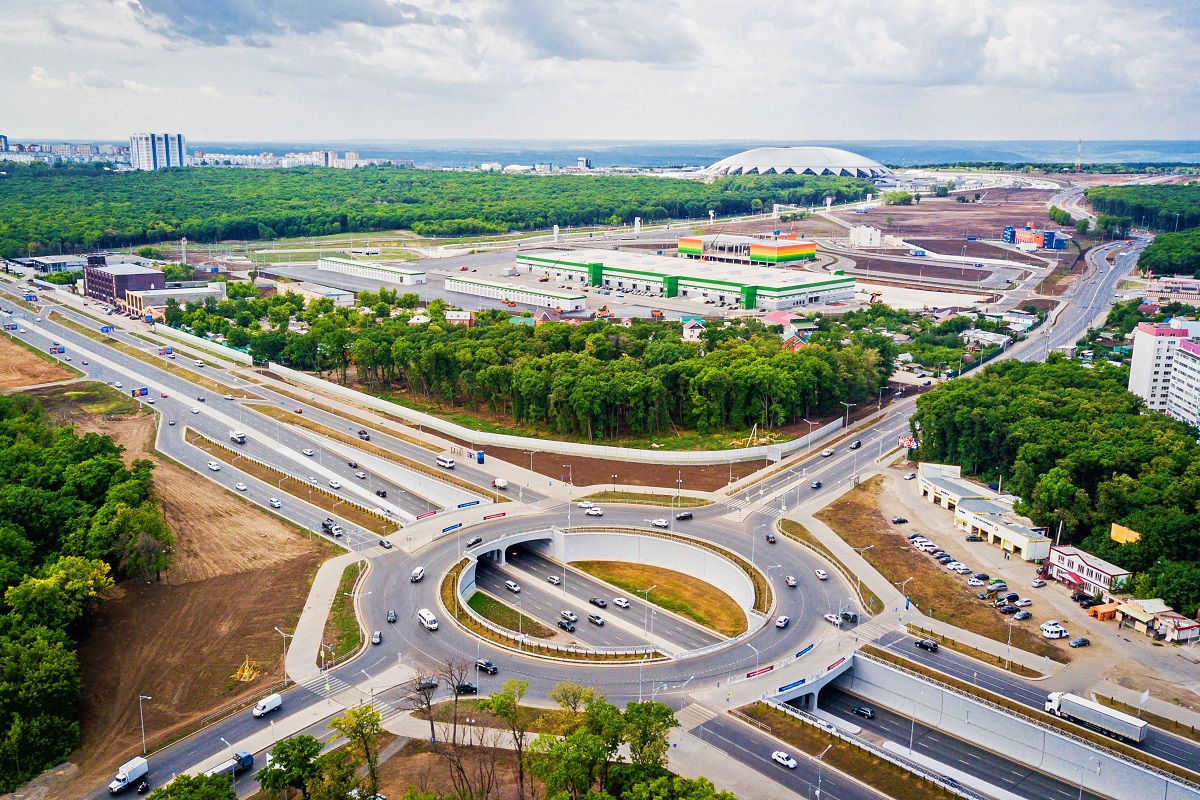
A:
x: 1183, y: 392
x: 742, y: 285
x: 862, y: 236
x: 1150, y: 370
x: 150, y: 151
x: 511, y: 293
x: 1046, y: 240
x: 378, y: 270
x: 153, y: 302
x: 1085, y: 572
x: 998, y: 525
x: 800, y: 160
x: 314, y: 291
x: 754, y: 250
x: 1174, y: 290
x: 57, y: 263
x: 110, y: 284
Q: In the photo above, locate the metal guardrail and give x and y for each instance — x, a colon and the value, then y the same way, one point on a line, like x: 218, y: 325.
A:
x: 944, y: 781
x: 1162, y: 773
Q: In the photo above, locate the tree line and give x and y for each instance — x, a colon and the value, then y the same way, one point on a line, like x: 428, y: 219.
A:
x: 1160, y: 207
x: 73, y: 518
x: 595, y: 379
x: 1082, y: 453
x: 45, y: 208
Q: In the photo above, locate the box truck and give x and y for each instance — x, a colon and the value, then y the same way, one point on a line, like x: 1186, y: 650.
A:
x: 130, y: 773
x: 1095, y: 716
x: 235, y: 766
x: 237, y: 436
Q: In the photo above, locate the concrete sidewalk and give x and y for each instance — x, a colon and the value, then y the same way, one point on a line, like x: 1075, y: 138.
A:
x: 305, y: 645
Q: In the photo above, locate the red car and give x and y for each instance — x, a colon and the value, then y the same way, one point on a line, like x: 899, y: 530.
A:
x: 299, y: 410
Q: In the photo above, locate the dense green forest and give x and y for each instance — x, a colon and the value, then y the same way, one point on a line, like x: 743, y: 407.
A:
x: 1173, y: 253
x: 1153, y: 207
x: 72, y: 518
x: 1080, y: 450
x: 595, y: 379
x: 81, y: 207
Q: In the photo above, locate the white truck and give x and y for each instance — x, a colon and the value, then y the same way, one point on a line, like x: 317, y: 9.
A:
x: 501, y: 484
x: 237, y: 436
x: 130, y: 774
x: 1097, y: 717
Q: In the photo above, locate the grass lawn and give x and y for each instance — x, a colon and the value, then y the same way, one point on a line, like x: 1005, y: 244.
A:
x: 543, y: 720
x: 675, y: 591
x: 94, y: 398
x: 505, y: 616
x: 884, y: 776
x: 646, y: 499
x: 794, y: 530
x: 341, y: 627
x: 856, y: 518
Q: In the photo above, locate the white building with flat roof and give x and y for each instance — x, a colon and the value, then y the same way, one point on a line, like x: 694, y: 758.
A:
x: 151, y: 151
x: 1083, y: 571
x: 315, y: 291
x: 1183, y: 392
x: 497, y: 290
x: 1153, y: 362
x: 743, y: 285
x: 378, y: 270
x: 998, y: 525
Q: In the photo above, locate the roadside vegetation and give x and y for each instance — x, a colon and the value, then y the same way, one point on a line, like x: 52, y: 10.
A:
x: 505, y: 616
x: 342, y: 632
x: 647, y: 499
x: 855, y: 517
x: 683, y: 594
x: 884, y: 776
x: 73, y: 520
x: 1081, y: 453
x: 81, y: 207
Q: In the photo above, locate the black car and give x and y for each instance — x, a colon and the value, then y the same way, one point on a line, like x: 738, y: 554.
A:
x: 927, y: 644
x: 770, y: 538
x: 483, y: 665
x: 863, y: 711
x: 945, y: 558
x: 981, y: 576
x: 857, y: 443
x: 426, y: 684
x: 391, y: 615
x: 381, y: 492
x: 1080, y: 596
x: 683, y: 515
x: 599, y: 602
x: 1092, y: 603
x: 899, y: 521
x: 974, y: 538
x: 912, y: 536
x: 1008, y: 609
x: 567, y: 625
x: 467, y: 688
x: 1079, y: 641
x: 366, y: 437
x: 849, y: 616
x: 352, y: 464
x: 816, y: 485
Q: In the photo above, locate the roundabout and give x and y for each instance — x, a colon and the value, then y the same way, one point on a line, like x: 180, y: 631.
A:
x: 625, y: 657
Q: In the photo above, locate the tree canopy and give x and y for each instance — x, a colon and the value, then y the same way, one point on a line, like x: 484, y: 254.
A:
x: 1080, y: 451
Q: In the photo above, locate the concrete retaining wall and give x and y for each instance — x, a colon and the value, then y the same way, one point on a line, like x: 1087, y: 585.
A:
x: 1015, y: 738
x: 479, y: 438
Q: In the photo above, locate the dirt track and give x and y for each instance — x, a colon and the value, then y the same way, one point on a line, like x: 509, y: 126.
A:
x: 19, y: 367
x: 238, y: 573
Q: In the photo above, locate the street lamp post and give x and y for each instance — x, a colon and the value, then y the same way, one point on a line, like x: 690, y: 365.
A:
x: 646, y: 607
x: 820, y: 760
x: 614, y: 480
x: 285, y: 636
x: 848, y: 407
x: 142, y: 719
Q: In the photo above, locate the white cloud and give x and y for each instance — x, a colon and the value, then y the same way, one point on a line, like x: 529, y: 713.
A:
x: 211, y: 92
x: 39, y: 78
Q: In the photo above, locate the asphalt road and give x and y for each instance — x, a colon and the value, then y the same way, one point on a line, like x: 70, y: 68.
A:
x: 956, y: 753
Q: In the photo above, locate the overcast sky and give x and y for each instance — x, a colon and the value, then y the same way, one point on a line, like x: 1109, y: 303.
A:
x: 246, y: 70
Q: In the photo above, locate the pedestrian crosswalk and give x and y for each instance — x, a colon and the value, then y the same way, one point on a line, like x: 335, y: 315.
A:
x: 330, y: 686
x: 325, y: 685
x: 693, y: 716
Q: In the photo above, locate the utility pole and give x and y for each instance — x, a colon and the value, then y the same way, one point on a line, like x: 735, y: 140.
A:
x: 142, y: 719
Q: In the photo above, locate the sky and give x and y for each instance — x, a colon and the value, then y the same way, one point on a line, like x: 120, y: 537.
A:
x: 324, y: 70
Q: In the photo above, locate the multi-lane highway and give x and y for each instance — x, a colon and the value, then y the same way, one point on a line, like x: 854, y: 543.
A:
x: 388, y: 586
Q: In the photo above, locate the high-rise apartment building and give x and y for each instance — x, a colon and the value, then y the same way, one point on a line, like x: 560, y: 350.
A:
x: 3, y: 143
x: 1154, y: 348
x: 1183, y: 393
x: 157, y: 151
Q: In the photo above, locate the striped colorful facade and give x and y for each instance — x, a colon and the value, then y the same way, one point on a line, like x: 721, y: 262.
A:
x: 782, y: 252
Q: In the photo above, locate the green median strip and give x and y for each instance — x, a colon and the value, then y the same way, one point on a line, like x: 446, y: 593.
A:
x: 505, y: 616
x: 341, y: 626
x: 645, y: 499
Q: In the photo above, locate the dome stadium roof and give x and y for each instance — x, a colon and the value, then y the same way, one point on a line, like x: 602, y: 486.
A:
x: 799, y: 161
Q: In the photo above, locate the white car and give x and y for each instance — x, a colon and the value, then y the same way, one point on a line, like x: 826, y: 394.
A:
x: 241, y: 487
x: 149, y: 400
x: 827, y: 452
x: 974, y: 582
x: 119, y: 385
x: 195, y: 411
x: 780, y: 757
x: 620, y: 602
x: 790, y: 580
x: 1024, y: 602
x: 821, y: 574
x: 833, y: 619
x: 274, y: 501
x: 362, y: 476
x: 782, y: 622
x: 214, y: 466
x: 1038, y: 583
x: 306, y: 451
x: 953, y: 565
x: 513, y: 587
x: 586, y: 504
x: 962, y: 569
x: 228, y: 397
x: 335, y: 484
x: 660, y: 523
x: 594, y: 512
x: 910, y: 476
x: 554, y: 579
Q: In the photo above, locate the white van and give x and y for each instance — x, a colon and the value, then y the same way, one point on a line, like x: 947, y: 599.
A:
x: 198, y: 363
x: 270, y: 703
x: 428, y: 620
x: 445, y: 462
x: 417, y: 575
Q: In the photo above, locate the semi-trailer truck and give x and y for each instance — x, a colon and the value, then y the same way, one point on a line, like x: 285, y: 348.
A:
x: 1097, y: 717
x: 237, y: 436
x: 235, y: 766
x: 129, y: 774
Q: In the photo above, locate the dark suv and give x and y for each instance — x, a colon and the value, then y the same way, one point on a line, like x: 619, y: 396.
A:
x: 683, y: 515
x: 483, y: 665
x: 567, y: 625
x: 366, y: 437
x: 927, y: 644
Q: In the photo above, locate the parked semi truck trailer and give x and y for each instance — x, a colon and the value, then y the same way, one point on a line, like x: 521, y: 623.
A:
x: 1097, y: 717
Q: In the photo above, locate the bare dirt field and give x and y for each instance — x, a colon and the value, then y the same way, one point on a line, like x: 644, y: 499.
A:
x: 415, y: 766
x: 907, y: 268
x: 238, y: 573
x: 943, y: 217
x: 19, y: 367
